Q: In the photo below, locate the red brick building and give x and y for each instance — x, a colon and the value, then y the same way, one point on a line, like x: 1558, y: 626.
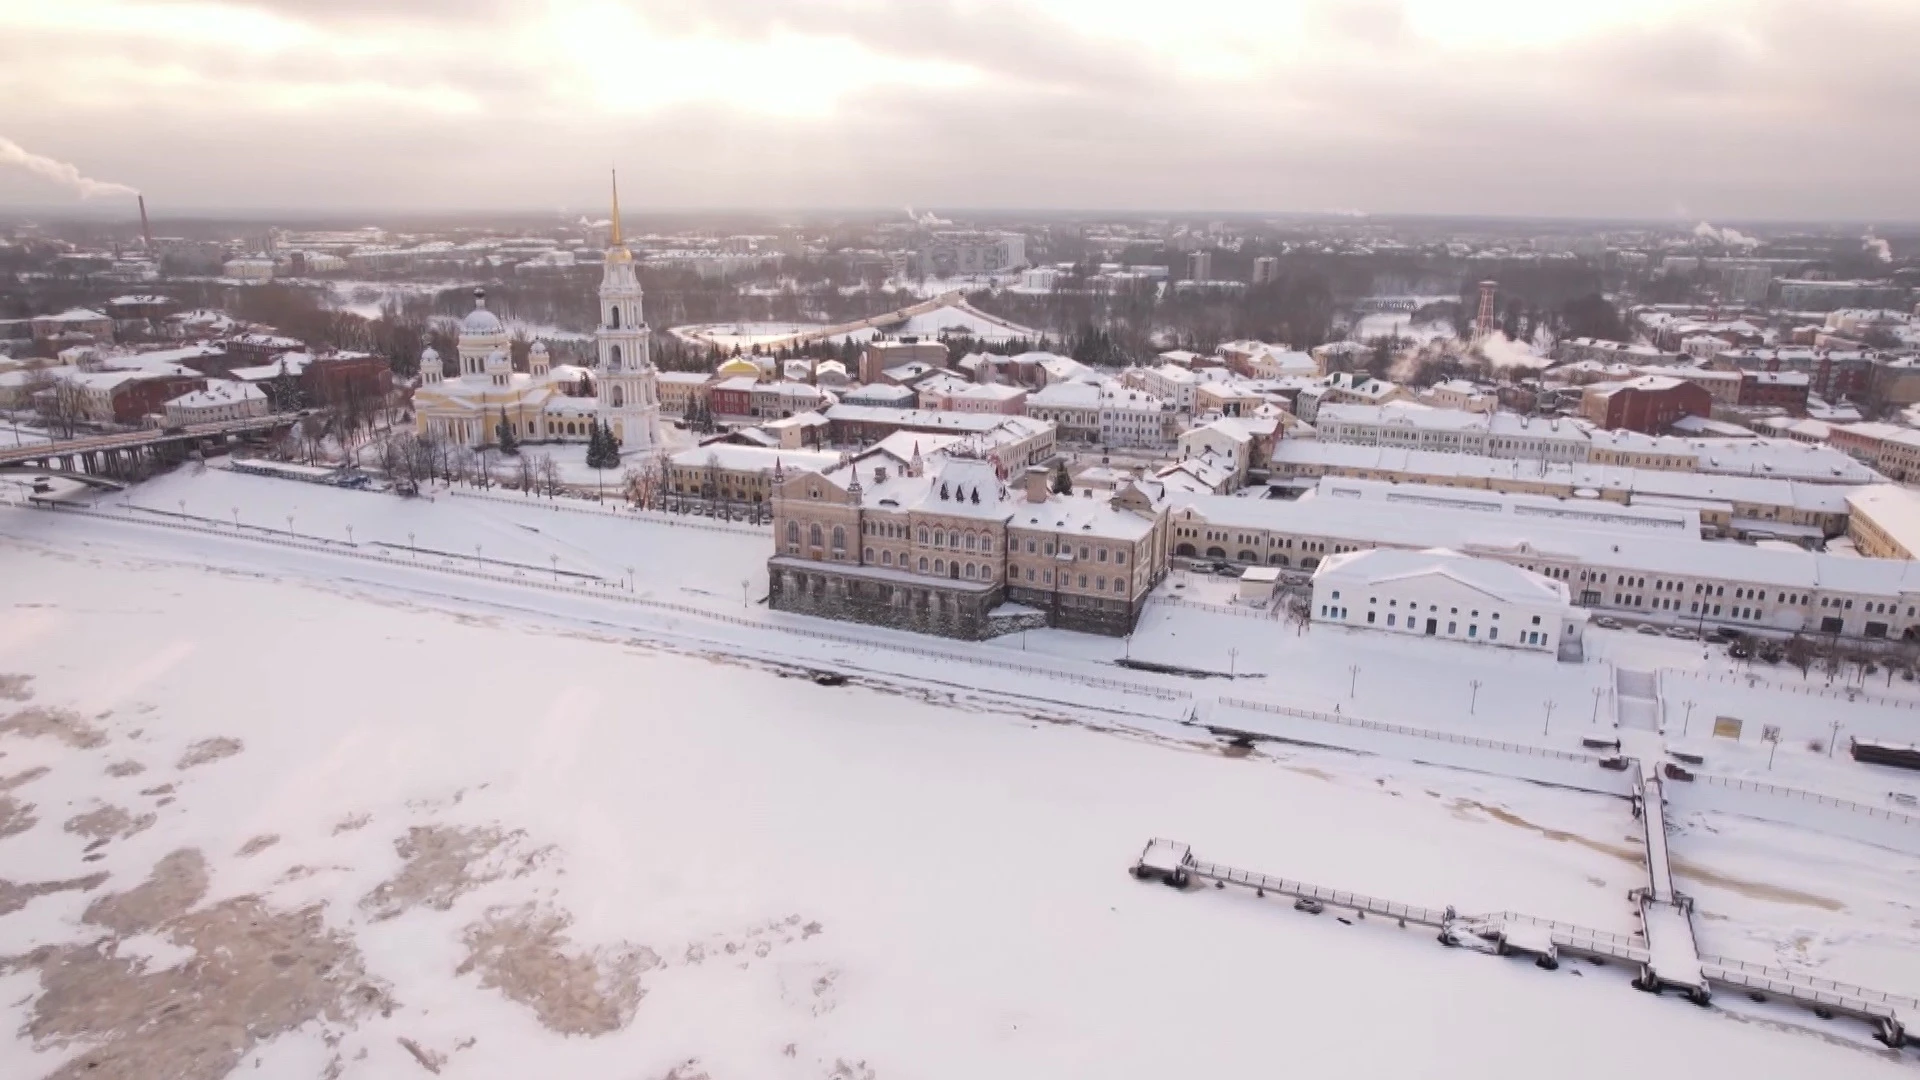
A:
x: 333, y: 380
x: 1649, y: 404
x: 147, y: 395
x: 1776, y: 389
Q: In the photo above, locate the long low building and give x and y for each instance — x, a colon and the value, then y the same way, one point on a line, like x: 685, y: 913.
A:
x: 1643, y: 560
x: 1728, y: 505
x: 1565, y: 441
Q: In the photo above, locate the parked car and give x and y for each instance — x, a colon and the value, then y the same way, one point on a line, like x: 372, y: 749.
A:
x: 1309, y: 905
x: 1607, y: 621
x: 1721, y: 635
x: 1648, y: 629
x: 1740, y: 650
x: 1681, y: 632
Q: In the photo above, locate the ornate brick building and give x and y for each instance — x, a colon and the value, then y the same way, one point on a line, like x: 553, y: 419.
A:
x: 943, y: 546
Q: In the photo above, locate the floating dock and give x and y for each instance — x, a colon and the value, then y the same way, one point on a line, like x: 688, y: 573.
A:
x: 1665, y: 954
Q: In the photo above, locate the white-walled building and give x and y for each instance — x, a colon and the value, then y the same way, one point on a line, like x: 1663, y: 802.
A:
x: 1456, y: 431
x: 1445, y: 594
x: 221, y: 400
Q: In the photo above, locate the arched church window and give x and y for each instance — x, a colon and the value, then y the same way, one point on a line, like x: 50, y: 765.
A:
x: 613, y: 317
x: 793, y: 532
x: 813, y: 536
x: 613, y: 358
x: 617, y: 398
x: 839, y: 538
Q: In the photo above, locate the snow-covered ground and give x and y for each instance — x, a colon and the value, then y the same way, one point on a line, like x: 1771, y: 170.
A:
x: 741, y: 335
x: 1399, y: 324
x: 525, y: 813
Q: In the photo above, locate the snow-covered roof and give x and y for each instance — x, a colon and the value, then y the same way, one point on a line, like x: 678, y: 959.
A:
x: 735, y: 458
x: 1654, y: 539
x: 1377, y: 567
x: 220, y: 392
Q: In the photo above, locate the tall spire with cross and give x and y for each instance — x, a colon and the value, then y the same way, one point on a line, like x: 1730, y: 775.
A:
x: 625, y: 382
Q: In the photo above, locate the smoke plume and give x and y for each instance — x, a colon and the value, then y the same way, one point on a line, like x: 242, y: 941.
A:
x: 67, y: 176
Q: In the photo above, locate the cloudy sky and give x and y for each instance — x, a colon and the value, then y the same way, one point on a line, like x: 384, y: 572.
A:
x: 1726, y: 109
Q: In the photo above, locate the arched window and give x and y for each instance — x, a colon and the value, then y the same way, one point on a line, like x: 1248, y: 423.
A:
x: 886, y: 558
x: 869, y: 554
x: 813, y: 536
x: 839, y: 538
x: 969, y: 570
x: 616, y: 398
x: 939, y: 566
x: 613, y: 358
x: 970, y: 541
x: 923, y: 539
x: 793, y: 532
x: 953, y: 539
x: 613, y: 317
x: 923, y: 564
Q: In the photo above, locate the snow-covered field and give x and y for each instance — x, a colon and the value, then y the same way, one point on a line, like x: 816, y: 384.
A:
x: 520, y: 834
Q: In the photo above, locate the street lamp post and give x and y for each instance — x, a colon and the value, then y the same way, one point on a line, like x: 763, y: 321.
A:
x: 1834, y: 737
x: 411, y: 548
x: 349, y: 536
x: 1473, y: 702
x: 236, y: 519
x: 630, y: 582
x: 745, y: 584
x: 1686, y: 723
x: 289, y: 526
x: 1597, y: 692
x: 1548, y: 726
x: 555, y: 560
x: 1353, y: 679
x: 1233, y: 663
x: 476, y: 558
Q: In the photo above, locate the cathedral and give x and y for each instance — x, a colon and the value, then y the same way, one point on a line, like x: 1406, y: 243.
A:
x: 468, y: 409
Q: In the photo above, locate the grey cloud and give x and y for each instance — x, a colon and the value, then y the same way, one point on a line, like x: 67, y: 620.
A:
x: 1788, y: 112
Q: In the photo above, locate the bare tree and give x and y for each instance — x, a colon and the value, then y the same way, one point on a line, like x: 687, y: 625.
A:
x: 313, y: 436
x: 549, y: 473
x: 523, y: 472
x: 60, y: 403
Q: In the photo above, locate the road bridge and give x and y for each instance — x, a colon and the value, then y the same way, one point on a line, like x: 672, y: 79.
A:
x: 116, y: 453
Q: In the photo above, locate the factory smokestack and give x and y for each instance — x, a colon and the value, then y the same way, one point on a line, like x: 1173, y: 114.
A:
x: 146, y: 230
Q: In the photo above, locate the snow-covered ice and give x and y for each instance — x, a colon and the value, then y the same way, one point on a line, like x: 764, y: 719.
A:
x: 780, y: 879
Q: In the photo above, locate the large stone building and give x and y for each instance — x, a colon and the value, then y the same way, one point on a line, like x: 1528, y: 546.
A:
x: 941, y: 545
x: 1648, y: 561
x: 538, y: 404
x: 1444, y: 594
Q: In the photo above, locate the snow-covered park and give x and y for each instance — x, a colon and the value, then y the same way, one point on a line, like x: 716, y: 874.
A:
x: 292, y: 809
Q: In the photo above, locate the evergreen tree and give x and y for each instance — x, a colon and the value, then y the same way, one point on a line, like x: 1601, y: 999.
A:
x: 1062, y: 480
x: 503, y: 431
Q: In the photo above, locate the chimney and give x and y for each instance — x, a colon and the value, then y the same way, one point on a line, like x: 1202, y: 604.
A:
x: 1037, y: 483
x: 146, y: 231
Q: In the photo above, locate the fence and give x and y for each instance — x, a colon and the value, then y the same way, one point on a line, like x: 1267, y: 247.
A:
x: 1814, y: 982
x: 1755, y: 682
x: 1421, y: 733
x: 597, y: 510
x: 1271, y: 613
x: 1776, y: 791
x: 1392, y: 909
x: 610, y: 592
